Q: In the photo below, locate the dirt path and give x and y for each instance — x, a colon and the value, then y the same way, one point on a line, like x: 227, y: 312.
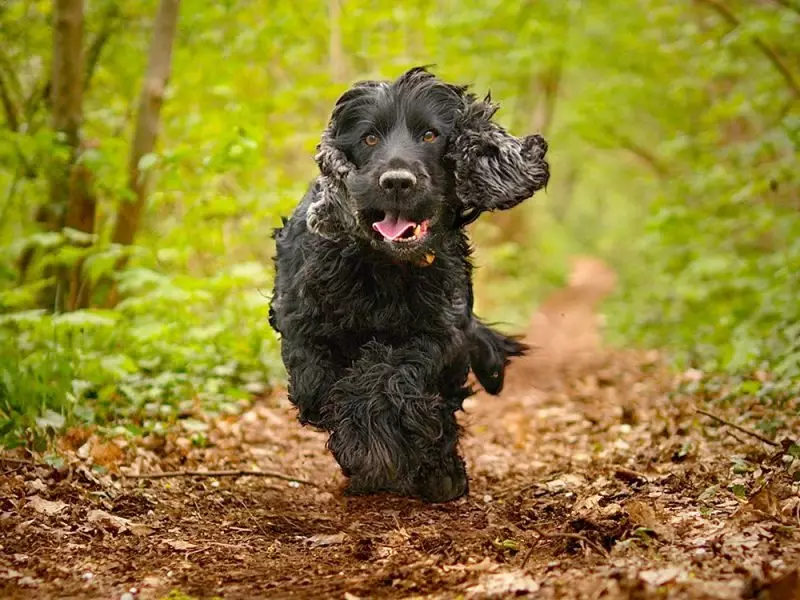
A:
x: 603, y: 485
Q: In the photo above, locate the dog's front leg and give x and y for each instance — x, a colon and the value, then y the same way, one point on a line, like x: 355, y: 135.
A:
x: 312, y: 373
x: 395, y: 427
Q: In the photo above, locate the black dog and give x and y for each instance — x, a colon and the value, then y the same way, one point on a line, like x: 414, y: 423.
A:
x: 373, y: 290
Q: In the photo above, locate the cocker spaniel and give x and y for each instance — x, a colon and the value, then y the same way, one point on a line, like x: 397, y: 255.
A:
x: 373, y: 290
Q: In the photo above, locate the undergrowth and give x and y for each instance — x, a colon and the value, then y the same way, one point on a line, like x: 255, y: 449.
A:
x: 176, y: 348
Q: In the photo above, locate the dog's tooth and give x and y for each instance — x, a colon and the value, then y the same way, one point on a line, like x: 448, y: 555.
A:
x: 417, y: 230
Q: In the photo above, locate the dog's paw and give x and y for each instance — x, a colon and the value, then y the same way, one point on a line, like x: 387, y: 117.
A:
x: 443, y: 483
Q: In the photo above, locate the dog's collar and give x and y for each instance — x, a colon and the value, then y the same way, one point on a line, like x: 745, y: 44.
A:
x: 425, y: 261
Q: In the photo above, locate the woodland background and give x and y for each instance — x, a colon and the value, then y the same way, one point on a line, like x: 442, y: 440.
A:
x: 148, y: 148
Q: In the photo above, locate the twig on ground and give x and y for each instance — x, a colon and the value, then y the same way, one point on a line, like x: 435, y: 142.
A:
x: 738, y: 427
x: 738, y: 439
x: 572, y: 536
x: 237, y: 473
x: 253, y: 517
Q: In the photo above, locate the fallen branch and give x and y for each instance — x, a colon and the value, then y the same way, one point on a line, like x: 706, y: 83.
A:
x: 738, y: 427
x: 571, y: 536
x: 237, y: 473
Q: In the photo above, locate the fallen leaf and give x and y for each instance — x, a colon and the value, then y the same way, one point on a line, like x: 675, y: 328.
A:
x: 658, y: 577
x: 83, y: 451
x: 556, y: 485
x: 46, y: 507
x: 103, y: 518
x: 75, y: 437
x: 642, y: 514
x: 502, y: 585
x: 28, y: 581
x: 10, y: 574
x: 35, y: 485
x: 107, y: 454
x: 179, y: 545
x: 326, y: 539
x: 764, y: 500
x: 791, y: 506
x: 140, y: 530
x: 588, y: 504
x: 610, y: 510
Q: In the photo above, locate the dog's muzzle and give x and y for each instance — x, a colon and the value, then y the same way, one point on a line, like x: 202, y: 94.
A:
x: 397, y: 180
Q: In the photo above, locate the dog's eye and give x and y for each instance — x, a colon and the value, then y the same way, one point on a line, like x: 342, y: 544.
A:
x: 371, y: 140
x: 429, y: 136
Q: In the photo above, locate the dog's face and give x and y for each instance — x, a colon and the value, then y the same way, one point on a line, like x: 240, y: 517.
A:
x: 404, y: 161
x: 401, y: 187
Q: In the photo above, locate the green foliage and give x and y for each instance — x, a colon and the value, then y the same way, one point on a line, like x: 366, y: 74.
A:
x: 719, y: 264
x: 674, y: 149
x: 175, y: 346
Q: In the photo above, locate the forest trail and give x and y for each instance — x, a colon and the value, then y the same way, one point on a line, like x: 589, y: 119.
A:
x: 592, y: 476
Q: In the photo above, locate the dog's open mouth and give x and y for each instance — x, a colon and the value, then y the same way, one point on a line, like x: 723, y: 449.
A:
x: 394, y: 228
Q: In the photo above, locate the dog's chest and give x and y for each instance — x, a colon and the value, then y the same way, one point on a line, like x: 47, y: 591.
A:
x: 371, y: 299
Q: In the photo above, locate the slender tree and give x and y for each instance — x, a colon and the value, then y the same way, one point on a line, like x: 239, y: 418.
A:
x: 147, y: 122
x: 69, y: 203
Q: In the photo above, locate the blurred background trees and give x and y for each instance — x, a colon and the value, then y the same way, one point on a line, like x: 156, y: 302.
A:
x: 135, y: 243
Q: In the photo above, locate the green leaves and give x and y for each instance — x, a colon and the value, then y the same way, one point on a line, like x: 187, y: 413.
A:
x: 673, y: 144
x: 178, y: 341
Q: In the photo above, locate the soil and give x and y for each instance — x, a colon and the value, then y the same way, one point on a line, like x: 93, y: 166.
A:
x: 591, y: 477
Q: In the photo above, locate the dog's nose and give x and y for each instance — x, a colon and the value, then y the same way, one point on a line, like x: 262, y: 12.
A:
x: 398, y: 180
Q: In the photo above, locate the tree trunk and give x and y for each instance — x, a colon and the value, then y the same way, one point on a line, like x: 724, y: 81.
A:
x: 147, y: 122
x: 67, y: 96
x: 66, y: 100
x: 80, y: 216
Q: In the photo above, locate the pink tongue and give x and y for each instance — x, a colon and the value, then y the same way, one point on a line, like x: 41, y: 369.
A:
x: 392, y: 227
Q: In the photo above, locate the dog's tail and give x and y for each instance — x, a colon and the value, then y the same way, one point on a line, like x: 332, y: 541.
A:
x: 490, y: 352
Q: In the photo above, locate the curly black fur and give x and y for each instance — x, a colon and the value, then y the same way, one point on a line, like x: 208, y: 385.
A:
x: 377, y: 333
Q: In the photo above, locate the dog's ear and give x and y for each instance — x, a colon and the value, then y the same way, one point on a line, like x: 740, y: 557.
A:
x: 331, y: 161
x: 329, y: 215
x: 494, y: 170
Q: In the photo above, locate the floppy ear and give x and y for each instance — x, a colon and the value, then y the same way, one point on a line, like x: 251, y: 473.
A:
x: 494, y: 170
x: 328, y: 215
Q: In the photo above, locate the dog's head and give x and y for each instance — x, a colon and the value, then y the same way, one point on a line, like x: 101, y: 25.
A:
x: 404, y: 163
